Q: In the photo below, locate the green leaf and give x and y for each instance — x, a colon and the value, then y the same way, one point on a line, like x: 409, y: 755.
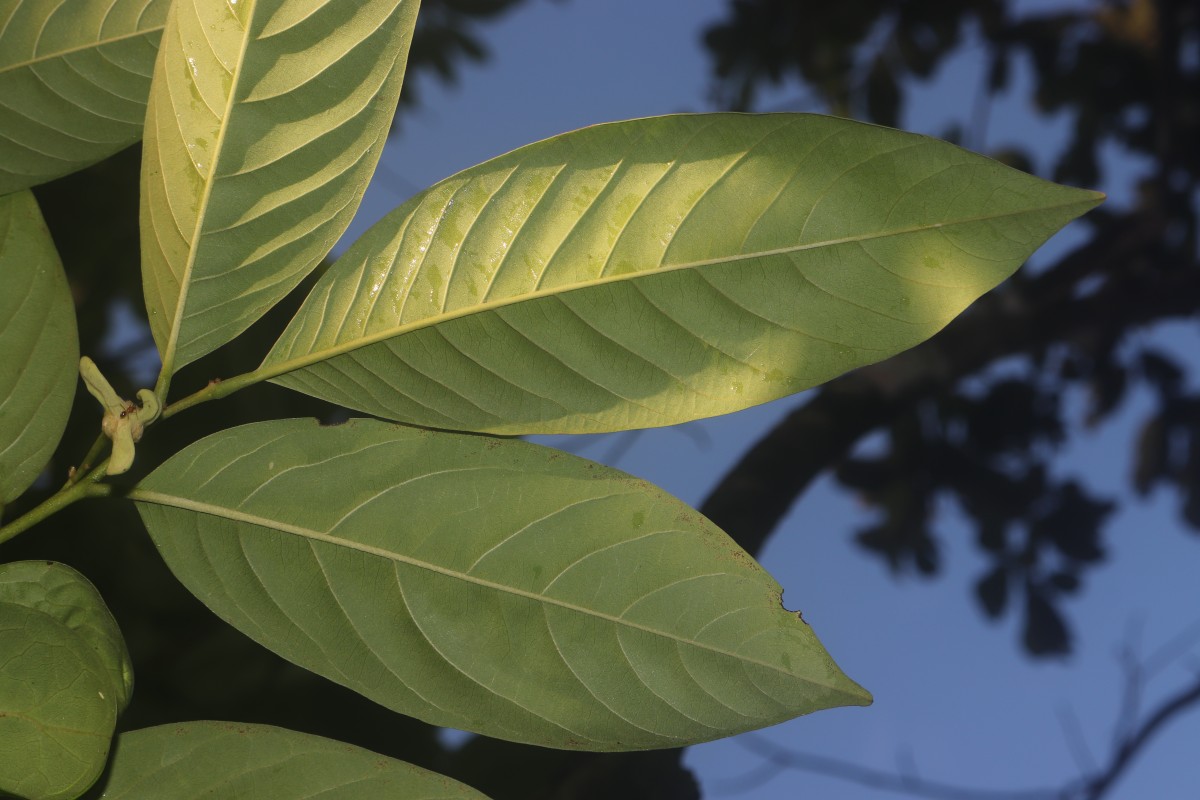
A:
x: 73, y: 81
x: 198, y: 760
x: 655, y: 271
x: 39, y: 348
x: 488, y: 585
x: 264, y: 124
x: 62, y: 593
x: 55, y: 720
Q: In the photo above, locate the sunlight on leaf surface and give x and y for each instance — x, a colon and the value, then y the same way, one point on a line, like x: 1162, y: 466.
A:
x: 264, y: 125
x: 654, y: 271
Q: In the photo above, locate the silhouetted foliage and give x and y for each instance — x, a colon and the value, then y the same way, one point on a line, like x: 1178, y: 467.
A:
x: 447, y: 34
x: 1127, y: 75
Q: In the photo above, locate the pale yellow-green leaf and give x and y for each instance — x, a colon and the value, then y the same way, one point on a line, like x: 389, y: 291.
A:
x: 265, y: 121
x: 654, y: 271
x: 74, y: 77
x: 484, y: 584
x: 39, y: 347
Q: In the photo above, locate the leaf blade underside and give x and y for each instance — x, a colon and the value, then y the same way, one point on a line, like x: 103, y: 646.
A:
x: 262, y: 130
x: 62, y: 593
x: 73, y: 83
x: 195, y: 760
x: 56, y: 721
x: 488, y: 585
x: 654, y: 271
x: 39, y: 341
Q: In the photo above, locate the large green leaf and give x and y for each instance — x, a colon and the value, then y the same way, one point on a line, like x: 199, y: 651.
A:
x: 654, y: 271
x: 73, y: 83
x: 251, y: 762
x: 61, y: 592
x: 39, y: 348
x: 488, y: 585
x: 56, y: 721
x: 264, y: 124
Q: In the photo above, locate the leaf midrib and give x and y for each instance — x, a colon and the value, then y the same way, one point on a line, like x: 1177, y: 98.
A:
x: 211, y: 509
x: 171, y: 351
x: 269, y: 371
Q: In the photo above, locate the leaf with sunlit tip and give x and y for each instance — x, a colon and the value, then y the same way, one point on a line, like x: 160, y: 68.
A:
x: 655, y: 271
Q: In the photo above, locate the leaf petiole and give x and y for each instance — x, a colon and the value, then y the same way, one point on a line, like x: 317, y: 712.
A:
x: 93, y: 454
x: 217, y: 389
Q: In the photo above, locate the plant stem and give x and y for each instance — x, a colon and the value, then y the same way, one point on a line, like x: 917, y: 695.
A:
x: 85, y: 466
x: 163, y: 384
x: 217, y: 389
x: 88, y: 486
x: 86, y: 482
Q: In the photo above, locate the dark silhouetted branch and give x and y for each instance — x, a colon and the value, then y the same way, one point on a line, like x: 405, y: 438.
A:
x: 783, y: 758
x: 1133, y: 736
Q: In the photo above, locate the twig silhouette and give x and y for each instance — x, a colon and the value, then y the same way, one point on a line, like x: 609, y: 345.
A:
x: 1133, y: 733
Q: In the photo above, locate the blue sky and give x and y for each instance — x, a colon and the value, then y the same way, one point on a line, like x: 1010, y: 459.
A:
x: 955, y: 700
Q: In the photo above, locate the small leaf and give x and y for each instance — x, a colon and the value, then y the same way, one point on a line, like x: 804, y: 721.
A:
x: 488, y: 585
x: 1045, y: 632
x: 39, y: 347
x: 62, y: 593
x: 196, y: 760
x: 655, y: 271
x: 992, y: 591
x: 1066, y: 582
x: 56, y: 721
x: 1161, y: 372
x: 264, y: 124
x: 74, y: 77
x: 1152, y: 454
x: 883, y: 91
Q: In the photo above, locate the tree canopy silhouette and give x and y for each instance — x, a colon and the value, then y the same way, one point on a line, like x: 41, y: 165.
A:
x: 1127, y: 75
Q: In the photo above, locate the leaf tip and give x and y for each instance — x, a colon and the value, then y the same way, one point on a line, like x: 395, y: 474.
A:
x: 845, y: 692
x: 859, y: 696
